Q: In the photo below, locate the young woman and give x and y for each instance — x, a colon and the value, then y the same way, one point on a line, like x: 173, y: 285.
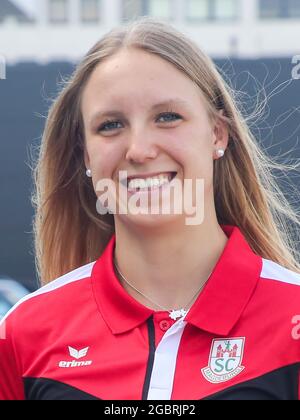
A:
x: 146, y: 305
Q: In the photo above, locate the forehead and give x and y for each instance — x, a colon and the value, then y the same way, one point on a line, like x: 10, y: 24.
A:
x: 135, y: 76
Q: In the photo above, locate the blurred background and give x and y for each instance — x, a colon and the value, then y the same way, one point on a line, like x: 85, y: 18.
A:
x: 254, y: 43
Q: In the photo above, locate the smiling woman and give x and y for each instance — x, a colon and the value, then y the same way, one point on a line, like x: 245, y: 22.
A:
x: 124, y: 77
x: 141, y: 299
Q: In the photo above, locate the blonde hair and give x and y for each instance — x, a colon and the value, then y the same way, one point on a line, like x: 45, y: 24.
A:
x: 68, y: 230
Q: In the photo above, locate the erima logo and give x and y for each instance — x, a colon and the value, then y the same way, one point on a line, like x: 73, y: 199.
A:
x: 76, y: 354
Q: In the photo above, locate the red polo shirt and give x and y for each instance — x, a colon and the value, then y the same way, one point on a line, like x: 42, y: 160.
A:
x: 84, y: 337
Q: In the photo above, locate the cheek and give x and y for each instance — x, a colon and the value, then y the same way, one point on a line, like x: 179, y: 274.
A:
x: 195, y: 156
x: 195, y: 138
x: 103, y: 158
x: 192, y: 149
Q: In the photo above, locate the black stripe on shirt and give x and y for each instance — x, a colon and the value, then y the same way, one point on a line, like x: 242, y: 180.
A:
x: 151, y: 335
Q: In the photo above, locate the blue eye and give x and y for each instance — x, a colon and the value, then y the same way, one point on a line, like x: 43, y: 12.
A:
x: 170, y: 113
x: 107, y: 123
x: 110, y: 123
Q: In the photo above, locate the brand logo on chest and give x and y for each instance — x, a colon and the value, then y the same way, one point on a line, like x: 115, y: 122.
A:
x: 76, y: 354
x: 225, y: 360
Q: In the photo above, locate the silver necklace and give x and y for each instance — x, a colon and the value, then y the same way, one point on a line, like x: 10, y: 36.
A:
x: 173, y: 313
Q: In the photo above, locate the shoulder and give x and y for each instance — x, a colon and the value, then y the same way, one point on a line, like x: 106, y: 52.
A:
x: 277, y: 297
x: 279, y: 275
x: 52, y: 297
x: 280, y: 285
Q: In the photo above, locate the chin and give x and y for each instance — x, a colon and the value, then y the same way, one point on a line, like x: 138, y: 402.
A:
x: 150, y: 220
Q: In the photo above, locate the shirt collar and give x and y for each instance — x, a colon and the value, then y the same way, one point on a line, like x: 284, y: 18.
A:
x: 229, y: 288
x: 218, y: 307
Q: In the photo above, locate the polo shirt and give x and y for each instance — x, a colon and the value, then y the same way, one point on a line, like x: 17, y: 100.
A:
x: 83, y: 337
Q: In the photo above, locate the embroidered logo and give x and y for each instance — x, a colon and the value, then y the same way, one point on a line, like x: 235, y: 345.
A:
x: 77, y: 355
x: 225, y: 360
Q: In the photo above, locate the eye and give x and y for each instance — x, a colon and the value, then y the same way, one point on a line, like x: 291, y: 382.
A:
x: 110, y: 123
x: 107, y: 124
x: 166, y: 114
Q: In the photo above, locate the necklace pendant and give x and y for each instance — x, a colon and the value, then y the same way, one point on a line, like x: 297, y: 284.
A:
x: 177, y: 314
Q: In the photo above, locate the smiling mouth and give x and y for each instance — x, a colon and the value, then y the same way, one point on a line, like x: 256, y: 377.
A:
x: 148, y: 184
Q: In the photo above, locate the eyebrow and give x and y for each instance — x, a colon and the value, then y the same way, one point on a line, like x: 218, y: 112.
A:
x: 119, y: 114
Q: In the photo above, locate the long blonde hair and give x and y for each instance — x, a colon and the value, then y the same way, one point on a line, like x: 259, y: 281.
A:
x: 68, y: 230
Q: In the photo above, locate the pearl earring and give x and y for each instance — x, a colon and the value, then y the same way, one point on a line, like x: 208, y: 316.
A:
x: 220, y: 153
x: 89, y: 173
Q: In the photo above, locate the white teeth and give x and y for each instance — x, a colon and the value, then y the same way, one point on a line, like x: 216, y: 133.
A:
x: 157, y: 181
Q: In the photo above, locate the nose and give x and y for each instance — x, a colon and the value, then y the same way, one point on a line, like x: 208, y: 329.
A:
x: 140, y: 148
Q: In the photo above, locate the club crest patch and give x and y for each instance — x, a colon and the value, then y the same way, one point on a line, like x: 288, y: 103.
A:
x: 225, y: 360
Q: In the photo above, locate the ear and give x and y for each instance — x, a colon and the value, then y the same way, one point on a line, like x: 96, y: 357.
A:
x: 220, y: 133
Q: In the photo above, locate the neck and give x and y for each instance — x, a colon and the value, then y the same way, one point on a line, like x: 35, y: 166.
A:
x: 168, y: 267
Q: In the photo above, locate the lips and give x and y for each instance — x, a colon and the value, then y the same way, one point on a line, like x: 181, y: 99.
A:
x: 125, y: 181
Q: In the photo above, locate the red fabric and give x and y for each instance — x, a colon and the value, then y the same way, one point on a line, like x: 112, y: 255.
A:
x: 96, y: 312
